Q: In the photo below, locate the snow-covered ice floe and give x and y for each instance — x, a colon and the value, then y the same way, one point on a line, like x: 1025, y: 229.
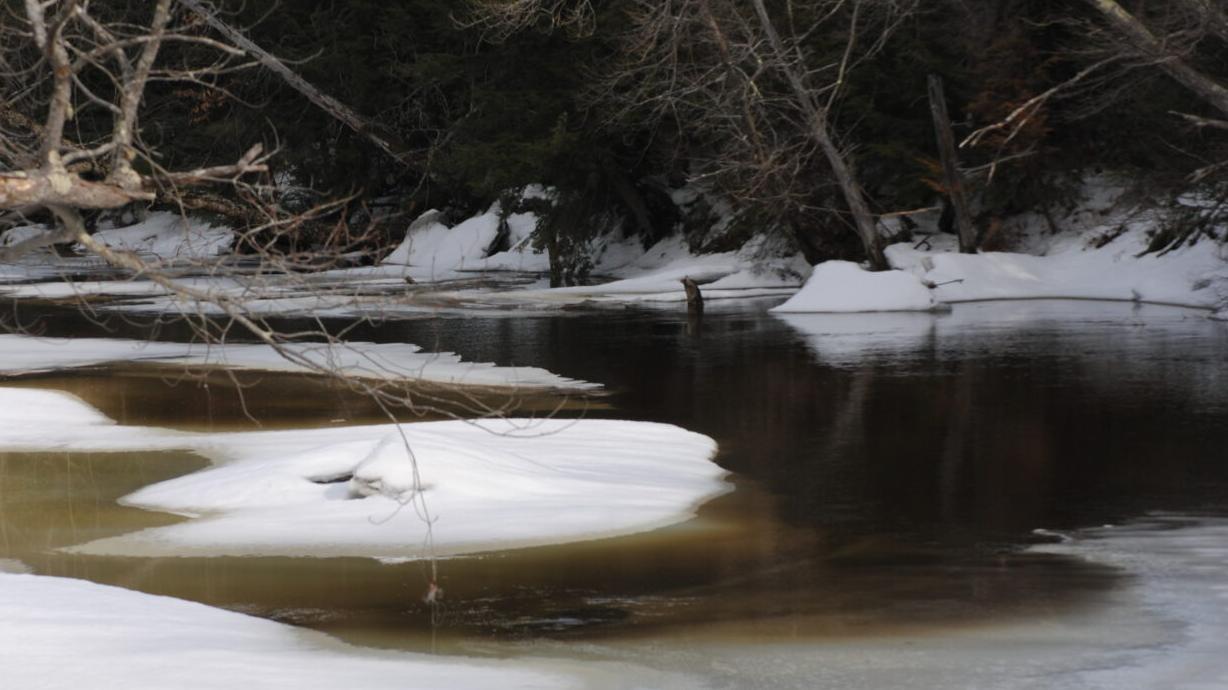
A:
x: 350, y: 491
x: 382, y: 361
x: 60, y: 633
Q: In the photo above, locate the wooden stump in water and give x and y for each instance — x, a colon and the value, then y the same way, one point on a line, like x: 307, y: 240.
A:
x: 694, y: 299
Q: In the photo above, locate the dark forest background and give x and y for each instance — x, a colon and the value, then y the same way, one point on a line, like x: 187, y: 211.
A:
x: 479, y: 112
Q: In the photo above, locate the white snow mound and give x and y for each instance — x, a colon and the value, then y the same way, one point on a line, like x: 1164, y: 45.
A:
x: 843, y: 286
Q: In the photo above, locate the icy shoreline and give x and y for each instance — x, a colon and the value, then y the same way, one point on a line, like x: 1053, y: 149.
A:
x: 68, y: 634
x: 1099, y: 248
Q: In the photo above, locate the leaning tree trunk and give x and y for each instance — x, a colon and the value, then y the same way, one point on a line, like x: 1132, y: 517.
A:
x: 951, y: 179
x: 820, y: 132
x: 1141, y: 38
x: 853, y: 196
x: 384, y: 140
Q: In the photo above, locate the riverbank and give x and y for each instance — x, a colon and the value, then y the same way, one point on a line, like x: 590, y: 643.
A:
x: 1102, y: 245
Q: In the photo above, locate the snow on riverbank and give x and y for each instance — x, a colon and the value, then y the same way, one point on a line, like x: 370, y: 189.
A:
x: 161, y: 236
x: 70, y: 634
x: 1192, y: 276
x: 630, y: 274
x: 381, y: 361
x: 431, y: 251
x: 348, y: 491
x: 443, y: 263
x: 1094, y: 250
x: 1097, y: 250
x: 169, y: 237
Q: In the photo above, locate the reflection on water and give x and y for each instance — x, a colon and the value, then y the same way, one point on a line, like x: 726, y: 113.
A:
x: 215, y: 400
x: 888, y: 469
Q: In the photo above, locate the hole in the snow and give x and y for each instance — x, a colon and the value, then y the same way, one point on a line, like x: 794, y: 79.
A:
x: 333, y: 478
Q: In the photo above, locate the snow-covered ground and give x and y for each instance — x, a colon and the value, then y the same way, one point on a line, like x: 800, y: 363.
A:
x: 432, y: 251
x: 368, y: 491
x: 161, y: 236
x: 378, y: 361
x: 1098, y: 252
x: 1191, y: 276
x: 169, y: 237
x: 655, y: 275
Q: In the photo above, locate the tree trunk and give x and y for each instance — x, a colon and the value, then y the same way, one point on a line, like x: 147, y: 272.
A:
x: 386, y: 141
x: 951, y: 179
x: 33, y: 188
x: 1142, y: 39
x: 841, y: 168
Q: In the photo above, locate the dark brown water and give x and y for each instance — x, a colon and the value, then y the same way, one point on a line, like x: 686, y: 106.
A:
x: 888, y: 472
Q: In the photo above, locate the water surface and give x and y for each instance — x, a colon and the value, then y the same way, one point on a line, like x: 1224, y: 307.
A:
x: 888, y: 473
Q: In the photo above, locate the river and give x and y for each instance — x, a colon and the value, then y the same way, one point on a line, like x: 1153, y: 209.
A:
x: 888, y: 475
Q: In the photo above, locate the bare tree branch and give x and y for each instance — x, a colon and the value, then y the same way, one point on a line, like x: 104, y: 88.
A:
x: 1202, y: 121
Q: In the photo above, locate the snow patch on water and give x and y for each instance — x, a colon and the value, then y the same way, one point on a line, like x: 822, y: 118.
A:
x: 61, y: 633
x: 379, y: 361
x: 489, y: 485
